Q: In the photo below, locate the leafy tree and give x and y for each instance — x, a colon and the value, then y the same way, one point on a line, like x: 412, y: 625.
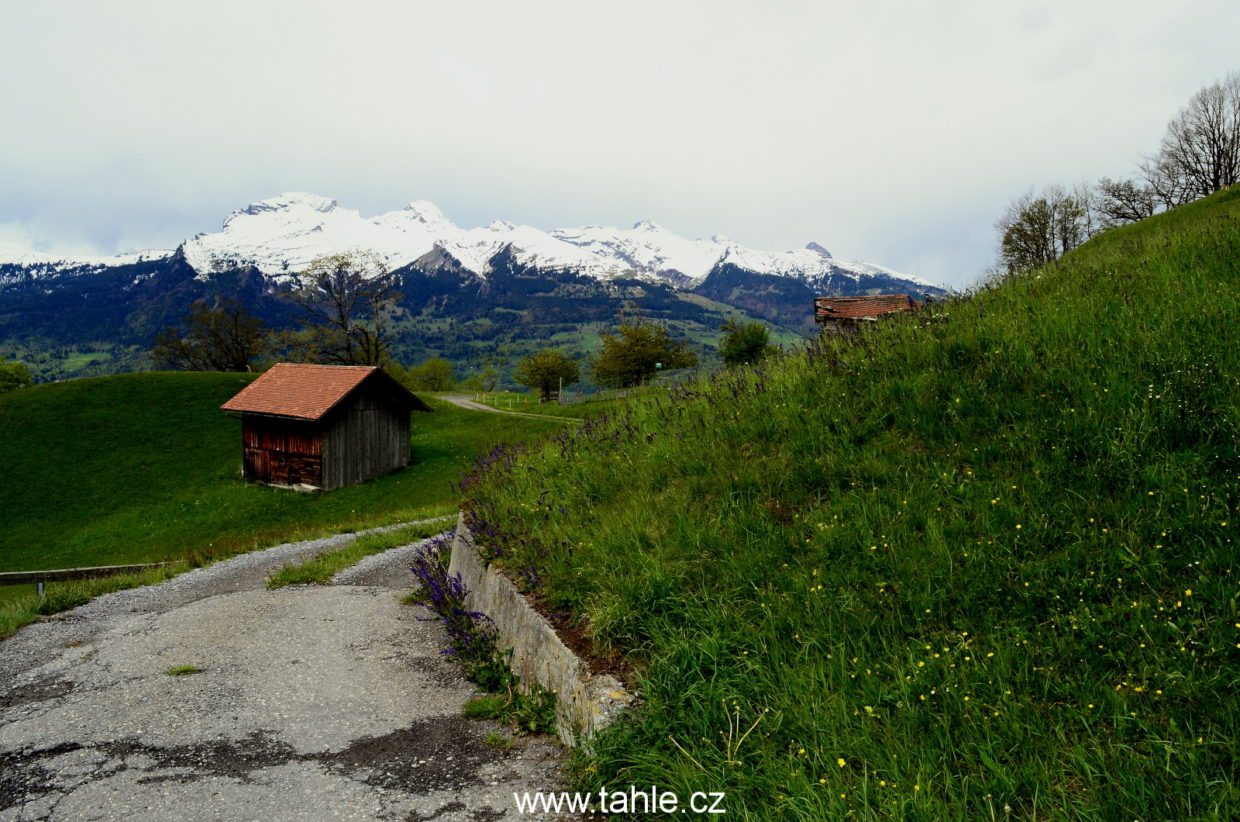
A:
x: 485, y: 380
x: 435, y: 374
x: 637, y: 350
x: 14, y: 375
x: 488, y: 378
x: 1040, y: 228
x: 546, y: 371
x: 745, y: 343
x: 351, y: 298
x: 220, y: 337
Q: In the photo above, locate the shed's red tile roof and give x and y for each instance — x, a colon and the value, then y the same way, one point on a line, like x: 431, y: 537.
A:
x: 852, y: 308
x: 298, y: 390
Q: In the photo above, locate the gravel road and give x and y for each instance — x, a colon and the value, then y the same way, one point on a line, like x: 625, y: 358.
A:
x: 462, y: 401
x: 312, y: 703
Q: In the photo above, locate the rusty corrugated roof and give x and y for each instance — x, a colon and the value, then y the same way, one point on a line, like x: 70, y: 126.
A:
x: 305, y: 391
x: 853, y: 308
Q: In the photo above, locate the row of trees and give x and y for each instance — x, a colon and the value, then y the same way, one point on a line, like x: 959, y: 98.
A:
x: 632, y: 354
x: 635, y: 352
x: 1199, y: 155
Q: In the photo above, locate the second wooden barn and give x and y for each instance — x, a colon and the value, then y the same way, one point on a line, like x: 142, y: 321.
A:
x: 323, y: 426
x: 845, y: 315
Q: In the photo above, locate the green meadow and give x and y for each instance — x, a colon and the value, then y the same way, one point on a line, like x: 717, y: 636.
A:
x: 977, y: 564
x: 146, y: 468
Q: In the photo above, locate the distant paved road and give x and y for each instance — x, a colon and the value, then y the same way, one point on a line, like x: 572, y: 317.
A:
x: 314, y: 703
x: 465, y: 402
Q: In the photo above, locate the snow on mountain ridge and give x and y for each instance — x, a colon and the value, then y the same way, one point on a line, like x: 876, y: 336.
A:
x: 281, y: 235
x: 287, y: 201
x: 20, y: 255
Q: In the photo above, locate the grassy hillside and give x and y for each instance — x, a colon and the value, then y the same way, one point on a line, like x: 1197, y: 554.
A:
x: 144, y: 467
x: 979, y: 564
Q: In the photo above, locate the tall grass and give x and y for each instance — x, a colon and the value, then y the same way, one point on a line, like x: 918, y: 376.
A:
x: 976, y: 564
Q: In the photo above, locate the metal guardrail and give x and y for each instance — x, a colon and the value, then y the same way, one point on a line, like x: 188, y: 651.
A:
x: 60, y: 574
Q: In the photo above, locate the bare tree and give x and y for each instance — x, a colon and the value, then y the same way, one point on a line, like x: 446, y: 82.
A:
x: 220, y: 337
x: 1169, y: 187
x: 1200, y: 152
x: 1123, y: 201
x: 351, y: 299
x: 1199, y: 155
x: 1038, y: 229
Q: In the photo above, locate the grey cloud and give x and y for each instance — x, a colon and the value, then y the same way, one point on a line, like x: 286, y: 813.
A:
x: 892, y: 132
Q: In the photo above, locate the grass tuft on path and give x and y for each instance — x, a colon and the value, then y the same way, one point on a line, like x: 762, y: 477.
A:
x: 183, y: 670
x: 527, y: 402
x: 320, y: 570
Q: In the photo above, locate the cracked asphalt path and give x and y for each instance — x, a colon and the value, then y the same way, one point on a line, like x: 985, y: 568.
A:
x: 313, y: 703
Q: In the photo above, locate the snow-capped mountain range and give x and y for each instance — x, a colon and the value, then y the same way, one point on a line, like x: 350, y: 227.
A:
x: 281, y: 235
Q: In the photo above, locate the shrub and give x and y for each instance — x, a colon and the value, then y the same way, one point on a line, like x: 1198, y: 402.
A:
x: 745, y: 343
x: 434, y: 374
x: 14, y: 375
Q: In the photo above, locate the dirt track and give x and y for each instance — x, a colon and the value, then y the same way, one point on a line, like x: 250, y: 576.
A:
x: 462, y: 401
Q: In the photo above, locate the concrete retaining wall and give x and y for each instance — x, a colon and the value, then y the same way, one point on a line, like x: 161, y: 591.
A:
x: 585, y: 703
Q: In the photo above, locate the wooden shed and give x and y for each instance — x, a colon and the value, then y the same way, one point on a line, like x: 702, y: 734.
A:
x: 323, y: 426
x: 846, y: 314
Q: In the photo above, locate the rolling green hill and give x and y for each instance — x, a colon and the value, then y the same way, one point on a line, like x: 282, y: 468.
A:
x: 978, y: 564
x: 145, y: 467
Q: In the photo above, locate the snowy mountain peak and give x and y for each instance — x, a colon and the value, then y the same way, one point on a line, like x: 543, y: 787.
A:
x: 817, y: 248
x: 425, y: 211
x: 291, y: 201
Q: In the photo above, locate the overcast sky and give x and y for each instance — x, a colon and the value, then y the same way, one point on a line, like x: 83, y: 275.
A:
x: 890, y: 132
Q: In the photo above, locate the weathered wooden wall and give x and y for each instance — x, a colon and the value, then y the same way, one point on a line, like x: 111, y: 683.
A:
x: 363, y: 439
x: 280, y: 451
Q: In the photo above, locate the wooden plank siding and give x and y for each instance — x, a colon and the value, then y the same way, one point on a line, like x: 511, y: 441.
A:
x: 282, y: 452
x: 365, y: 439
